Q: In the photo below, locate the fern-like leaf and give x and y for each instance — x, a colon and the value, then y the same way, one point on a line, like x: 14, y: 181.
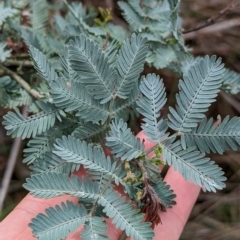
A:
x: 89, y: 61
x: 53, y: 184
x: 210, y: 137
x: 132, y: 17
x: 5, y: 13
x: 41, y: 144
x: 52, y: 163
x: 72, y: 96
x: 39, y: 15
x: 198, y: 90
x: 123, y: 143
x: 150, y: 107
x: 165, y: 194
x: 87, y: 131
x: 94, y: 228
x: 79, y: 152
x: 125, y: 217
x: 130, y: 63
x: 41, y: 65
x: 3, y: 52
x: 194, y: 166
x: 59, y: 221
x: 17, y: 125
x: 231, y: 82
x: 121, y: 108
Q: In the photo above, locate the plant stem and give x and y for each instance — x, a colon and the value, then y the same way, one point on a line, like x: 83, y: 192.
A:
x: 150, y: 149
x: 24, y: 63
x: 123, y: 236
x: 10, y: 165
x: 23, y: 83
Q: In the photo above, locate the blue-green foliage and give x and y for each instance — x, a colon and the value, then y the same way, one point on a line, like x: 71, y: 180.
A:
x: 211, y: 137
x: 123, y: 143
x: 60, y: 221
x: 198, y: 90
x: 91, y: 87
x: 150, y: 107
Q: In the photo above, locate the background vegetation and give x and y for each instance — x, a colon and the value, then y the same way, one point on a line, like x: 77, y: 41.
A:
x: 215, y: 216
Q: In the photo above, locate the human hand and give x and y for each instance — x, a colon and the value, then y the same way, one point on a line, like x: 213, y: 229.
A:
x: 15, y: 225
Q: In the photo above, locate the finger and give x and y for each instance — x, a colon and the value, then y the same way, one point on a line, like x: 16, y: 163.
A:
x: 174, y: 220
x: 15, y: 225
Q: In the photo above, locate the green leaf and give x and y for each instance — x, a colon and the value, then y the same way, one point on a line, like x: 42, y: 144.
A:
x: 71, y: 96
x: 194, y: 166
x: 91, y: 157
x: 5, y: 13
x: 87, y: 131
x: 129, y: 64
x: 150, y: 107
x: 231, y: 82
x: 39, y: 15
x: 125, y: 217
x: 26, y: 127
x: 40, y: 144
x: 52, y: 163
x: 42, y: 66
x: 89, y: 61
x: 59, y: 221
x: 122, y: 142
x: 198, y: 90
x: 94, y: 228
x: 135, y: 21
x: 122, y: 108
x: 210, y: 137
x: 3, y: 52
x: 53, y: 184
x: 165, y: 194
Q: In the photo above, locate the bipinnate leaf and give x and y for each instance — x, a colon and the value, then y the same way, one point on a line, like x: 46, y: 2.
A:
x: 198, y: 90
x: 91, y: 157
x: 4, y: 53
x: 89, y: 61
x: 52, y: 163
x: 40, y: 144
x: 165, y: 194
x: 94, y: 228
x: 72, y: 96
x: 122, y: 142
x: 130, y: 61
x: 53, y: 184
x: 6, y: 12
x: 124, y: 216
x: 42, y: 65
x: 39, y: 15
x: 87, y: 131
x: 231, y: 82
x: 194, y: 166
x: 59, y: 221
x: 135, y: 21
x: 25, y: 127
x: 150, y: 106
x: 211, y: 137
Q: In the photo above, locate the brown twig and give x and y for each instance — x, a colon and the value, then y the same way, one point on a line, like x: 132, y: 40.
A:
x: 19, y: 80
x: 10, y: 165
x: 104, y: 47
x: 213, y: 19
x: 23, y: 63
x: 218, y: 27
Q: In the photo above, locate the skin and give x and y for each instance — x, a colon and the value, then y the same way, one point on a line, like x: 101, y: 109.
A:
x: 15, y: 225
